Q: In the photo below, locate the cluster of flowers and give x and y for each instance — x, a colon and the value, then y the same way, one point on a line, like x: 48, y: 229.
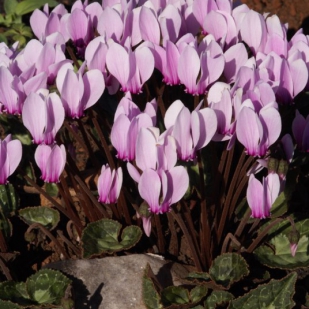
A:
x: 191, y: 42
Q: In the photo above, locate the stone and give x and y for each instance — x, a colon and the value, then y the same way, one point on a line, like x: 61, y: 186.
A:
x: 116, y: 282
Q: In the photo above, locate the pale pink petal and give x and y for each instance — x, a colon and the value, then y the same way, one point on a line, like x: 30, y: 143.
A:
x: 172, y: 113
x: 149, y: 188
x: 255, y: 198
x: 14, y: 153
x: 149, y: 26
x: 189, y: 73
x: 134, y: 173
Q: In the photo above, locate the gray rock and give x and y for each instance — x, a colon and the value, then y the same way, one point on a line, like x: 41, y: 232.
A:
x: 116, y: 282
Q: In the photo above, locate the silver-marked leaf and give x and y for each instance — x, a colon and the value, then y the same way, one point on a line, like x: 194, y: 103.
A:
x: 277, y: 253
x: 277, y: 294
x: 102, y: 236
x: 197, y: 293
x: 175, y: 295
x: 9, y: 201
x: 228, y: 268
x: 43, y: 215
x: 151, y: 297
x: 199, y: 276
x: 15, y: 292
x: 282, y: 257
x: 47, y: 286
x: 217, y: 298
x: 8, y: 305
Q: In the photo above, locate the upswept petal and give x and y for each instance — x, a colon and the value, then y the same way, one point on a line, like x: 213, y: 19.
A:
x: 271, y: 122
x: 14, y: 154
x: 172, y: 58
x: 110, y: 24
x: 55, y: 163
x: 149, y: 188
x: 145, y: 63
x: 272, y: 184
x: 95, y: 54
x: 216, y: 24
x: 94, y: 86
x: 299, y: 74
x: 70, y: 99
x: 34, y: 115
x: 255, y: 198
x: 134, y: 173
x: 35, y: 83
x: 203, y: 126
x: 104, y: 184
x: 248, y: 129
x: 146, y: 150
x: 178, y: 181
x: 189, y: 68
x: 117, y: 62
x: 77, y: 25
x: 172, y: 113
x: 38, y: 20
x: 41, y: 156
x: 46, y: 58
x: 149, y: 26
x: 235, y: 57
x: 119, y: 134
x: 4, y: 161
x: 182, y: 134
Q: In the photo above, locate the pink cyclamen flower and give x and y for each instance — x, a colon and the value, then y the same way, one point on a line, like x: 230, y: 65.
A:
x: 43, y: 117
x: 79, y: 91
x: 192, y: 131
x: 161, y: 190
x: 109, y: 184
x: 10, y: 156
x: 261, y: 196
x: 51, y: 161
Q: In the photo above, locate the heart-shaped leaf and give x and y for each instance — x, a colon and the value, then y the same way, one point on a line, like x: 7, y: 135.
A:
x: 199, y: 276
x: 278, y: 254
x: 228, y: 268
x: 8, y: 305
x: 15, y: 292
x: 102, y: 236
x: 8, y: 199
x: 197, y: 293
x: 47, y: 286
x: 277, y: 294
x: 175, y: 295
x: 151, y: 297
x: 217, y: 298
x: 46, y: 216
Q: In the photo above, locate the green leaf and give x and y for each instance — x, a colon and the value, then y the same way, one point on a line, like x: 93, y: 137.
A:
x: 51, y: 189
x: 280, y: 206
x: 28, y: 6
x: 47, y: 286
x: 197, y: 293
x: 151, y: 297
x: 8, y: 305
x: 228, y: 268
x: 277, y: 294
x: 198, y: 275
x: 15, y: 292
x: 280, y: 256
x: 46, y: 216
x: 9, y: 201
x: 10, y: 6
x: 218, y: 298
x: 5, y: 225
x: 102, y: 236
x: 175, y: 295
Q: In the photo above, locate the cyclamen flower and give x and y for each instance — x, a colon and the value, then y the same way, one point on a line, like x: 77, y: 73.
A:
x: 43, y: 117
x: 79, y: 91
x: 51, y: 161
x: 192, y: 131
x: 128, y: 121
x: 261, y: 196
x: 109, y: 184
x: 10, y: 156
x: 258, y: 131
